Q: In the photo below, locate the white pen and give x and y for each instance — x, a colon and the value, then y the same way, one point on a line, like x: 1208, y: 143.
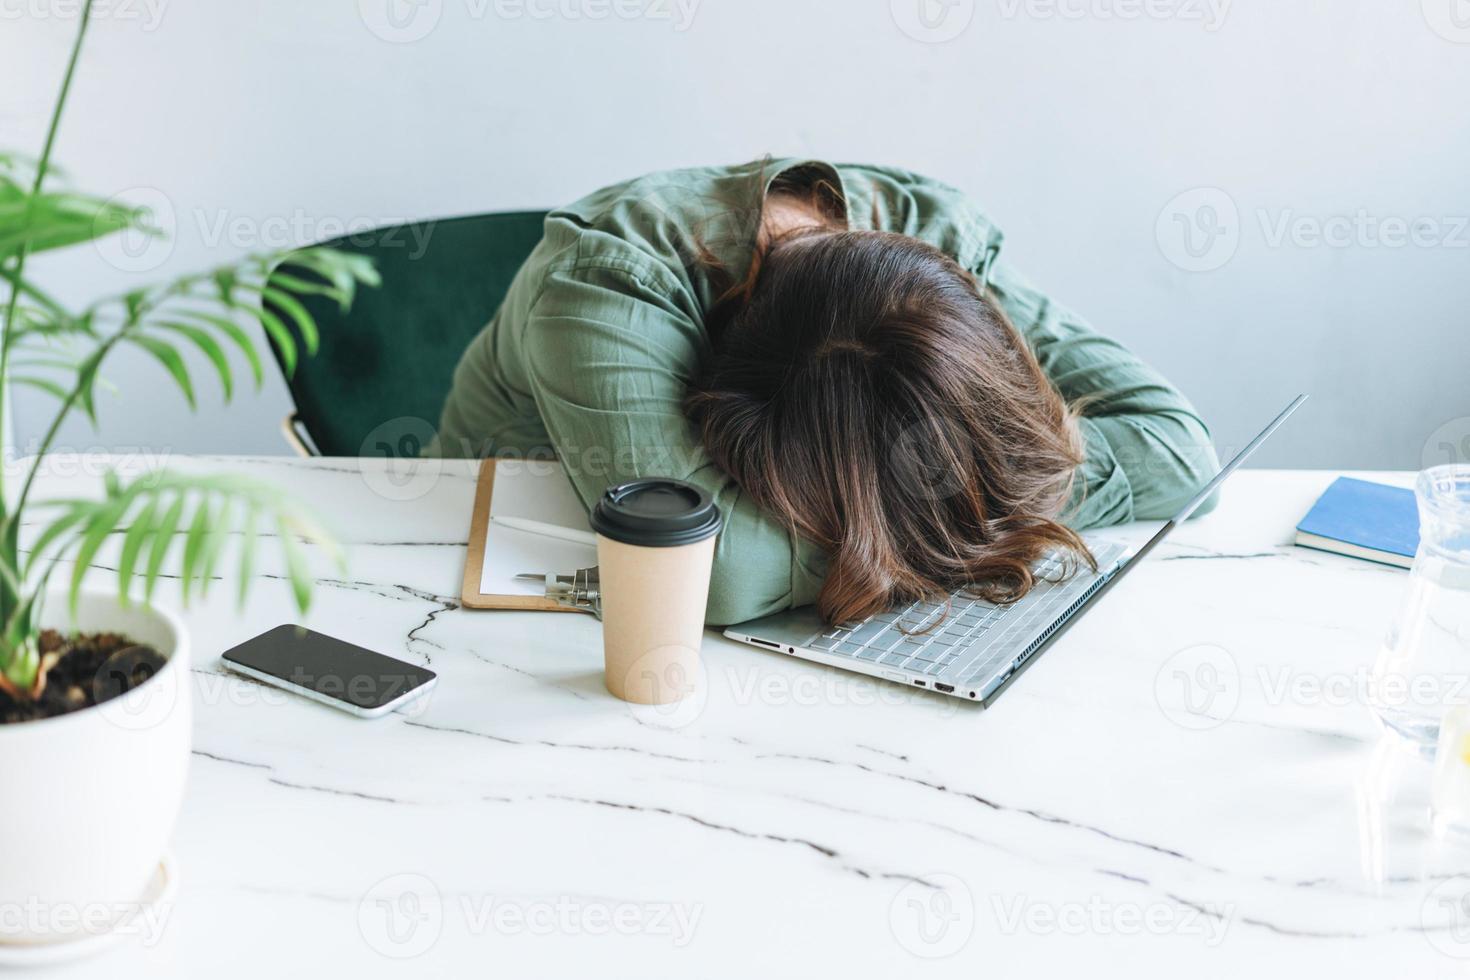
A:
x: 548, y: 530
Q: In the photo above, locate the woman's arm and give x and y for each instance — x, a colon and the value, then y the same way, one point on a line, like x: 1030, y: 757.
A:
x: 610, y: 355
x: 1148, y: 451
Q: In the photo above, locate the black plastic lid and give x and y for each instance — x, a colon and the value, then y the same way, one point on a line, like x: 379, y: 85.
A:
x: 656, y: 513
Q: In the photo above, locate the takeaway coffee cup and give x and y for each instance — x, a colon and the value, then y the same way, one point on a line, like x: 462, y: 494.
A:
x: 655, y: 547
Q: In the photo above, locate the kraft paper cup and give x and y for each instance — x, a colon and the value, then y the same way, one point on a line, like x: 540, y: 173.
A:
x: 655, y: 548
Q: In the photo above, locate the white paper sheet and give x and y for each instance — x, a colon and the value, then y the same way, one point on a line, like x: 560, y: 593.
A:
x: 537, y: 491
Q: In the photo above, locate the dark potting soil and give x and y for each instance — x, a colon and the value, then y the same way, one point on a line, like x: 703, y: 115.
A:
x: 94, y: 668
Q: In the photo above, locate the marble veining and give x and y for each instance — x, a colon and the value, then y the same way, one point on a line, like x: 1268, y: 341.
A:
x: 1108, y: 816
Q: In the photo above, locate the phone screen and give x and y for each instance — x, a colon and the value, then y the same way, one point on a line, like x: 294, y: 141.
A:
x: 330, y: 667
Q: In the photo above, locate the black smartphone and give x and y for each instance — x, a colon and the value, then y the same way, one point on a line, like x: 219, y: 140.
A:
x: 330, y: 670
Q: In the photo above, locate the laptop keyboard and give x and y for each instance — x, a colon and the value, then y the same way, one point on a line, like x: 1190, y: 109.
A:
x: 931, y: 637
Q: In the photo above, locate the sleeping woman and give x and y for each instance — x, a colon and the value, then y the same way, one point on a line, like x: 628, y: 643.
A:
x: 882, y: 408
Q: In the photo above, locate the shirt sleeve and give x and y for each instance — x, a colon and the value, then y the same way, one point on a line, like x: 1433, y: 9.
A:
x: 1147, y: 450
x: 611, y: 355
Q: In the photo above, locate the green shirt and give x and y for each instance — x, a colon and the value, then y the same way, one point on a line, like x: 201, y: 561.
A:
x: 603, y: 329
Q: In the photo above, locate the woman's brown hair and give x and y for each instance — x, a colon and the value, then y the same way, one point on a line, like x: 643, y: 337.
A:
x: 866, y: 393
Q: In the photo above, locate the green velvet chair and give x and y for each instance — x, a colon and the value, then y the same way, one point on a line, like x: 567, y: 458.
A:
x: 392, y: 356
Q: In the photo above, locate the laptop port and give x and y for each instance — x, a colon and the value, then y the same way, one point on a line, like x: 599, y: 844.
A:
x: 918, y: 683
x: 944, y: 688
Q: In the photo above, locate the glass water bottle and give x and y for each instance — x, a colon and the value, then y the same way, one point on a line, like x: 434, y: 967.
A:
x: 1424, y: 667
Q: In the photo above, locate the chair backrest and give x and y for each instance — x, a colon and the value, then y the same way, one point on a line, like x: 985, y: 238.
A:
x: 392, y: 355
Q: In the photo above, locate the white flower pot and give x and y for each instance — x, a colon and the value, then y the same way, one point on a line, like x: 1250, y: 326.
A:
x: 90, y: 797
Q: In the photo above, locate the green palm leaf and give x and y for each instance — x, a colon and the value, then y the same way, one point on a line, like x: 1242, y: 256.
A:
x: 169, y: 357
x: 210, y: 347
x: 149, y: 512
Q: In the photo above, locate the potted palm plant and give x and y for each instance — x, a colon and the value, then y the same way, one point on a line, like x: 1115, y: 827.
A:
x: 94, y: 684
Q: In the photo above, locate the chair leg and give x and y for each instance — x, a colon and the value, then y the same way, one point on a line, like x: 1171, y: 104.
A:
x: 297, y: 437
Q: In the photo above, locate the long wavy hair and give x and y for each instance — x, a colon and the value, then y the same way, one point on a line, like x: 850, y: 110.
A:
x: 864, y: 392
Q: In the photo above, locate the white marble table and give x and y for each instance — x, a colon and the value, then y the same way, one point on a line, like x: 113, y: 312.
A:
x: 804, y: 821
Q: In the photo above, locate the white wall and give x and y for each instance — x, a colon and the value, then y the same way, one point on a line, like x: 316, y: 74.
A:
x: 1076, y: 122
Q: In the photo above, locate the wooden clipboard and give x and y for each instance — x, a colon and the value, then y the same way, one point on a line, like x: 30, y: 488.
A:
x: 470, y: 595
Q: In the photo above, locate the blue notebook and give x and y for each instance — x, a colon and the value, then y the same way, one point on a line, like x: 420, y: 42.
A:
x: 1363, y: 520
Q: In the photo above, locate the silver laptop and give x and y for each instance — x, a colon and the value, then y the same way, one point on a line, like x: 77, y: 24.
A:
x: 966, y: 647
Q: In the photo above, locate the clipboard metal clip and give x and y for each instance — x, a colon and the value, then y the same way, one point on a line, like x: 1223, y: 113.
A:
x: 579, y: 590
